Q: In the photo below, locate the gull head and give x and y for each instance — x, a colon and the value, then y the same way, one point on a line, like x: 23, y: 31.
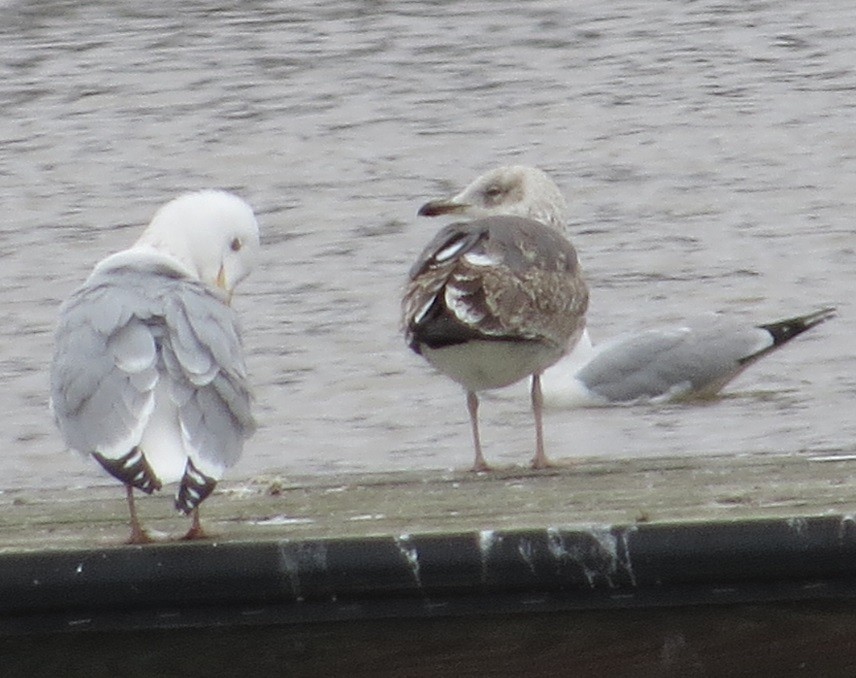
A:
x: 214, y: 235
x: 514, y: 190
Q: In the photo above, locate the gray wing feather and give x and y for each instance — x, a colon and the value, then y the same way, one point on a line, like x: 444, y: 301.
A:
x: 125, y: 329
x: 704, y: 355
x: 630, y: 367
x: 193, y: 356
x: 208, y: 375
x: 104, y: 369
x: 133, y: 349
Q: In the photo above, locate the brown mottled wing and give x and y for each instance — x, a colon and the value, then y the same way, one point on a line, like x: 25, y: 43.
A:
x: 502, y: 278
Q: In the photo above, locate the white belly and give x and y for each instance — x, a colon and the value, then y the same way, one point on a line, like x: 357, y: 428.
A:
x: 481, y: 365
x: 162, y: 443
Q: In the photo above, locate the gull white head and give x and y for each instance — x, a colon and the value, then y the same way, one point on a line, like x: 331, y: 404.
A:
x: 515, y: 190
x: 212, y: 234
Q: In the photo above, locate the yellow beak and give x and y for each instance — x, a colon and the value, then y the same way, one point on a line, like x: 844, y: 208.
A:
x: 222, y: 284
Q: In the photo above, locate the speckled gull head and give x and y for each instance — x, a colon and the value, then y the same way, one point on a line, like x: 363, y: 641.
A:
x: 212, y: 234
x: 514, y: 190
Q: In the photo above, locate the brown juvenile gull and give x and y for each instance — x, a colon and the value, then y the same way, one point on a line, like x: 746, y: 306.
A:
x: 495, y: 299
x: 148, y: 372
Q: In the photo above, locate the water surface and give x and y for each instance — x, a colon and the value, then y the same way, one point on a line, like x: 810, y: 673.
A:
x: 707, y: 149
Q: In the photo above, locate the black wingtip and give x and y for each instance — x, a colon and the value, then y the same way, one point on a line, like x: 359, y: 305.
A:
x: 132, y: 469
x: 194, y: 489
x: 785, y: 330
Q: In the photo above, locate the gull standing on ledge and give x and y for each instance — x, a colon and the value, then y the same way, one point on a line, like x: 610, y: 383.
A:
x: 501, y: 297
x: 148, y: 372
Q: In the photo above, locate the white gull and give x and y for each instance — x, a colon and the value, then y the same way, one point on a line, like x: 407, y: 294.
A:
x: 148, y: 373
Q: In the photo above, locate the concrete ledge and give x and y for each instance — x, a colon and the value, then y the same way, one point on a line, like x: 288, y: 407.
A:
x: 429, y: 575
x: 676, y: 567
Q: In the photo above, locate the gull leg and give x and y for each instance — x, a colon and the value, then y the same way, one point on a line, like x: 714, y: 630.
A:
x: 479, y: 465
x: 138, y: 534
x: 195, y: 531
x: 540, y: 459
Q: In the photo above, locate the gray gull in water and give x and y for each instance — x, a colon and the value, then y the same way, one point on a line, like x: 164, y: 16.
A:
x: 680, y: 362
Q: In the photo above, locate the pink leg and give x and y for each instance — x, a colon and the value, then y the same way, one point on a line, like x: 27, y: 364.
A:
x: 195, y: 531
x: 138, y: 534
x: 480, y: 464
x: 540, y: 460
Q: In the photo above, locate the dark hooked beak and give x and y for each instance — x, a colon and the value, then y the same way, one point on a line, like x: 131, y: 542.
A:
x: 436, y: 208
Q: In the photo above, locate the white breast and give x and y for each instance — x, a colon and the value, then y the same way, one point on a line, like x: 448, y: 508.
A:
x: 480, y: 365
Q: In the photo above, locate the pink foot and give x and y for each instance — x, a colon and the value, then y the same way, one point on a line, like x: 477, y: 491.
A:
x: 139, y: 536
x: 194, y: 533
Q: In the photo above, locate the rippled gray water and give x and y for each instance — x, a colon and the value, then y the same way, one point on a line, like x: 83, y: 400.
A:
x: 708, y: 150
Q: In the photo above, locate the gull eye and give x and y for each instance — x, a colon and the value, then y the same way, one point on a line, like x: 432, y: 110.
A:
x: 236, y: 245
x: 494, y: 194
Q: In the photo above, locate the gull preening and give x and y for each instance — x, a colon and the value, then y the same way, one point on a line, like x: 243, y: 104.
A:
x: 693, y: 360
x: 500, y: 297
x: 148, y: 374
